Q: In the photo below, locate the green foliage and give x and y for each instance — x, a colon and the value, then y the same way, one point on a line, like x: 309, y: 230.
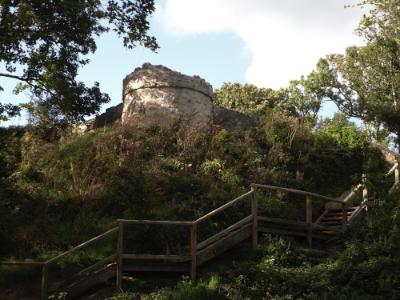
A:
x: 60, y: 193
x: 51, y: 44
x: 82, y: 183
x: 343, y: 133
x: 304, y: 97
x: 8, y: 110
x: 247, y: 98
x: 364, y: 82
x: 187, y: 290
x: 122, y: 296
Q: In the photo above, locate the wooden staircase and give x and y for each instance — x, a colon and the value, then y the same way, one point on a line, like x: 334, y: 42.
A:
x: 339, y: 214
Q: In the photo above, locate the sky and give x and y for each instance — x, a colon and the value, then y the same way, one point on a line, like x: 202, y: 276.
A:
x: 262, y: 42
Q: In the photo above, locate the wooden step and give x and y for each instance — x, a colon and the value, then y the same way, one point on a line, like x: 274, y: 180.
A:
x: 223, y: 244
x: 322, y: 235
x: 337, y: 220
x: 85, y: 283
x: 157, y: 267
x: 339, y: 210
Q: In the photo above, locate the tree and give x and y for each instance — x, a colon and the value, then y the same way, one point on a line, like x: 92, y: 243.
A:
x: 247, y: 98
x: 44, y: 43
x: 365, y: 81
x: 304, y: 96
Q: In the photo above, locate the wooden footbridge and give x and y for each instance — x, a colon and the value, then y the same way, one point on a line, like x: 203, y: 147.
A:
x: 339, y: 214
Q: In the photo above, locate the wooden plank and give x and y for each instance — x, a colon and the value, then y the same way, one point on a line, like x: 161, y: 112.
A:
x: 284, y: 222
x: 171, y: 258
x: 353, y: 193
x: 155, y: 222
x: 334, y: 222
x: 326, y: 228
x: 223, y: 244
x: 336, y: 217
x: 283, y: 231
x: 84, y: 244
x: 392, y: 170
x: 174, y: 268
x: 295, y: 191
x: 23, y: 263
x: 101, y: 263
x: 76, y: 289
x: 292, y: 232
x: 223, y: 233
x: 322, y: 216
x: 193, y: 251
x: 338, y: 212
x: 344, y: 216
x: 254, y: 213
x: 223, y: 207
x: 365, y: 189
x: 356, y: 216
x: 309, y: 219
x: 356, y: 213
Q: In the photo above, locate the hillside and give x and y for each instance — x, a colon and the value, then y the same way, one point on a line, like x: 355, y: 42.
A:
x: 68, y: 190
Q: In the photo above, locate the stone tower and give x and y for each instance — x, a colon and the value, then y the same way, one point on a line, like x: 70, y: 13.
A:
x: 157, y: 95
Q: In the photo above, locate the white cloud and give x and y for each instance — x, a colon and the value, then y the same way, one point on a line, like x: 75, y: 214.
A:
x: 285, y: 37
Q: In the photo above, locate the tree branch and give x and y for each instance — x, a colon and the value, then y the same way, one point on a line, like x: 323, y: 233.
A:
x: 28, y: 81
x: 15, y: 77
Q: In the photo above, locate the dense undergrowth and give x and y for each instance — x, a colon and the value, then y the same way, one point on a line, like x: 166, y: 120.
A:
x: 56, y: 194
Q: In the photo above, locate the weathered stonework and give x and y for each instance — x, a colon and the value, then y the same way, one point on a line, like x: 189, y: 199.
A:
x: 158, y: 95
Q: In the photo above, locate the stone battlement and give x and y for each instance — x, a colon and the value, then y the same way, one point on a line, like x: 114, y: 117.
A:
x: 154, y: 76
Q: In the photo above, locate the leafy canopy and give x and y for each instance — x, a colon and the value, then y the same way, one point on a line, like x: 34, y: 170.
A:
x: 44, y: 43
x: 365, y: 81
x: 301, y: 98
x: 246, y: 98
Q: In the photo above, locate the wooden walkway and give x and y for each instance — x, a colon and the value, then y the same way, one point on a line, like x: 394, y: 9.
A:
x: 339, y: 214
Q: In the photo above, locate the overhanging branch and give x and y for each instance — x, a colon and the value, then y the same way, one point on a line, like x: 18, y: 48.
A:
x: 28, y: 81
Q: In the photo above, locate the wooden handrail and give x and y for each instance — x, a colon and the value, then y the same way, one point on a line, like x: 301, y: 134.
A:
x: 392, y: 169
x: 221, y: 208
x: 353, y: 192
x: 383, y: 148
x: 21, y: 263
x: 155, y: 222
x: 295, y: 191
x: 84, y: 244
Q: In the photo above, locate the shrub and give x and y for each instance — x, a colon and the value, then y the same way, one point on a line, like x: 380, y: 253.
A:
x: 187, y: 290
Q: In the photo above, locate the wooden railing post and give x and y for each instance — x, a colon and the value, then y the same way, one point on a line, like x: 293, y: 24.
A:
x: 120, y: 247
x: 254, y: 215
x: 309, y: 219
x: 193, y: 251
x: 365, y: 190
x: 44, y: 283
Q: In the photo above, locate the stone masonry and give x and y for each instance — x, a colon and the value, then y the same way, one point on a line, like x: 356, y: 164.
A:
x: 158, y: 95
